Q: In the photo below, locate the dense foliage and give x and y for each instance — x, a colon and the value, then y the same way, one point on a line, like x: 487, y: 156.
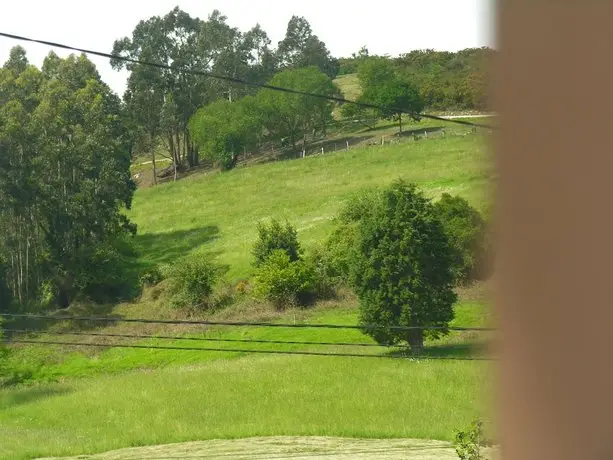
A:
x: 283, y: 281
x: 161, y: 102
x: 402, y: 267
x: 223, y: 130
x: 293, y: 116
x: 64, y: 180
x: 276, y: 236
x: 446, y: 80
x: 183, y: 111
x: 284, y: 275
x: 191, y: 281
x: 343, y: 241
x: 301, y: 48
x: 465, y: 228
x: 384, y: 86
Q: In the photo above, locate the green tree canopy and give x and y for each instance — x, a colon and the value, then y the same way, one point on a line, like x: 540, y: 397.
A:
x: 383, y: 86
x: 64, y: 176
x: 466, y: 230
x: 294, y: 116
x: 162, y: 101
x: 223, y: 130
x: 300, y: 48
x: 401, y: 267
x: 17, y: 61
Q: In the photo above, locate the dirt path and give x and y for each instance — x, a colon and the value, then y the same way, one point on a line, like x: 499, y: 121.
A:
x: 286, y: 448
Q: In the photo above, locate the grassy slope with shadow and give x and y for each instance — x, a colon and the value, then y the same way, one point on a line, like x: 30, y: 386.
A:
x: 308, y: 192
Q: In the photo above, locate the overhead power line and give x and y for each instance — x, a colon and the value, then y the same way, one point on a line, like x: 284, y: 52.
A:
x: 242, y: 324
x: 239, y: 80
x: 225, y: 350
x: 195, y: 339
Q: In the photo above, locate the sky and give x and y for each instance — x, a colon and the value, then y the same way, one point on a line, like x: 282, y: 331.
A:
x: 389, y: 27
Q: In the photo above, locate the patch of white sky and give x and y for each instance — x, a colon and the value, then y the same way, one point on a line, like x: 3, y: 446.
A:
x: 391, y: 27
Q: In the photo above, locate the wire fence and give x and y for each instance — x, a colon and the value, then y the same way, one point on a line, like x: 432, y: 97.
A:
x: 394, y: 350
x: 242, y: 323
x: 402, y: 356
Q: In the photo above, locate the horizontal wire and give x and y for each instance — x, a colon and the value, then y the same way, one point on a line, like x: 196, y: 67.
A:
x: 226, y: 350
x: 241, y: 81
x: 244, y: 324
x: 196, y: 339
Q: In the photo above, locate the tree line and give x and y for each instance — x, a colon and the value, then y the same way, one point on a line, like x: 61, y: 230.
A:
x: 161, y: 102
x: 67, y: 141
x: 446, y: 80
x: 173, y: 113
x: 64, y: 180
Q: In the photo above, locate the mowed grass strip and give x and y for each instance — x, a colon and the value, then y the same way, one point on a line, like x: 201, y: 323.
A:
x: 253, y: 396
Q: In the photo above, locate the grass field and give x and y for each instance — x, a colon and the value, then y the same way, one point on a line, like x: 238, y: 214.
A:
x: 255, y: 396
x: 219, y: 212
x: 186, y: 396
x: 90, y: 401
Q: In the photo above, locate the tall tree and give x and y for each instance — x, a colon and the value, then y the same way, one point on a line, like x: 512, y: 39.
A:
x: 382, y: 85
x: 301, y: 48
x: 17, y: 61
x: 64, y: 177
x: 164, y: 100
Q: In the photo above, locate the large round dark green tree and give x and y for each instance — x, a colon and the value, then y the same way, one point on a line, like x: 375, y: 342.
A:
x: 402, y: 268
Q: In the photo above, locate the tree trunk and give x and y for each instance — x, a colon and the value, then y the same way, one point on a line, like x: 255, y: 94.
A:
x: 415, y: 337
x: 155, y: 174
x: 400, y: 120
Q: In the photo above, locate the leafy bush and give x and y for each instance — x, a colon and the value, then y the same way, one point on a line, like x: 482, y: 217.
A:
x: 465, y: 229
x: 401, y: 267
x: 468, y: 442
x: 344, y: 238
x: 106, y: 272
x: 325, y: 275
x: 283, y: 281
x: 191, y: 281
x: 275, y: 236
x: 151, y: 277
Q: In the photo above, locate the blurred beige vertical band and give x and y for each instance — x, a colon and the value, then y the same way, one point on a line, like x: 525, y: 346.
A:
x: 554, y: 92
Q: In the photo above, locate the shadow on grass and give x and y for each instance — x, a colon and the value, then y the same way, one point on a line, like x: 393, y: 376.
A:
x: 472, y: 350
x: 161, y: 248
x: 53, y: 322
x: 28, y: 395
x: 157, y: 248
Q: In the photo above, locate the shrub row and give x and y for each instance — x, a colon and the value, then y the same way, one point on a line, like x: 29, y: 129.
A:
x: 287, y: 275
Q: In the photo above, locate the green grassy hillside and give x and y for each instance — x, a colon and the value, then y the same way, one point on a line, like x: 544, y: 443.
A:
x: 219, y: 212
x: 91, y: 400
